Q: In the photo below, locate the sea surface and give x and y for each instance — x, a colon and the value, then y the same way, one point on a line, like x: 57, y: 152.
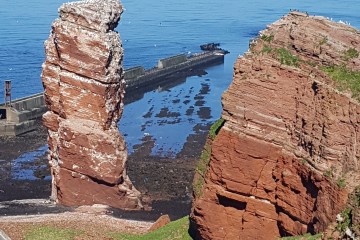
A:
x: 151, y: 30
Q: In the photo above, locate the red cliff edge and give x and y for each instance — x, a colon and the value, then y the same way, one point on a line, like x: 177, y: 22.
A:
x: 286, y: 158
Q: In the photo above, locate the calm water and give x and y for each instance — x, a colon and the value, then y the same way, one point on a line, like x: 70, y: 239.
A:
x: 151, y: 30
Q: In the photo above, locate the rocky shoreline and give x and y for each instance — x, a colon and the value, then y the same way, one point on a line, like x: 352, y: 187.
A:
x: 165, y: 181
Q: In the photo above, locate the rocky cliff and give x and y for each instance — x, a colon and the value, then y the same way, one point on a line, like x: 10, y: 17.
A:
x: 286, y: 158
x: 84, y: 89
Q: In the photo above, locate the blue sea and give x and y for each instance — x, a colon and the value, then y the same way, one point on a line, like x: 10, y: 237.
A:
x: 151, y: 30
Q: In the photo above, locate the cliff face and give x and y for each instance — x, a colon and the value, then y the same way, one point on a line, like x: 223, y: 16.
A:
x: 84, y: 89
x: 287, y: 157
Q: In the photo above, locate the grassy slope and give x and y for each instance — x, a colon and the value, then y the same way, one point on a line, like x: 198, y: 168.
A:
x: 174, y: 230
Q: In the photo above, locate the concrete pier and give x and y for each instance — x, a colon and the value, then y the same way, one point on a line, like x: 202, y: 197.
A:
x: 172, y: 65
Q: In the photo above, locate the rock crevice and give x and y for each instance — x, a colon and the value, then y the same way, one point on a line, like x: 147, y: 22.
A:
x: 84, y: 90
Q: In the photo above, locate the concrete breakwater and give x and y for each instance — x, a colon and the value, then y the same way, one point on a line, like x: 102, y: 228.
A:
x: 138, y: 77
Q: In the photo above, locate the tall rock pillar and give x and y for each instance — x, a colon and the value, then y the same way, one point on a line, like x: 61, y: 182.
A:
x: 84, y: 89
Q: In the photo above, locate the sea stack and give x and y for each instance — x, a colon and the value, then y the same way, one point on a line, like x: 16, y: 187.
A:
x: 84, y: 90
x: 286, y: 158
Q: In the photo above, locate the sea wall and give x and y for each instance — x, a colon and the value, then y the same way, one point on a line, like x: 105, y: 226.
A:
x: 134, y: 72
x: 156, y: 75
x: 21, y: 116
x: 286, y: 158
x: 28, y: 103
x: 171, y: 61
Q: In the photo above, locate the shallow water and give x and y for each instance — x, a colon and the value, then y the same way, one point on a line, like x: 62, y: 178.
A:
x: 151, y: 30
x: 26, y: 166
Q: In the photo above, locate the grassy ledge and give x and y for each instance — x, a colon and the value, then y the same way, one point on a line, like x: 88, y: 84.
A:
x: 204, y: 160
x: 215, y: 128
x: 267, y: 38
x: 346, y: 79
x: 285, y: 57
x: 349, y: 54
x: 201, y: 168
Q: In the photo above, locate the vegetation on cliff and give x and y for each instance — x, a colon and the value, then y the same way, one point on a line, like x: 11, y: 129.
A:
x: 204, y: 160
x: 284, y: 102
x: 346, y: 79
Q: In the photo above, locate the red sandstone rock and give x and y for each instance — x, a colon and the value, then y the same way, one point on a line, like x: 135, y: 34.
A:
x: 84, y: 90
x: 285, y: 127
x: 162, y: 221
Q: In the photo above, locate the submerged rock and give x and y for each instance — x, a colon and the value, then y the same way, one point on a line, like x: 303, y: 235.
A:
x: 286, y: 158
x: 84, y: 90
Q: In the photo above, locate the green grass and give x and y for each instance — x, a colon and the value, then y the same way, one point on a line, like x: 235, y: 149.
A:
x: 341, y: 183
x: 351, y: 53
x: 46, y: 233
x: 323, y: 41
x: 204, y: 160
x: 328, y: 173
x: 357, y: 196
x: 312, y: 64
x: 285, y: 57
x: 346, y: 214
x: 267, y: 38
x: 304, y: 161
x: 174, y: 230
x: 215, y: 128
x: 266, y: 49
x: 346, y: 79
x: 307, y: 236
x: 201, y: 169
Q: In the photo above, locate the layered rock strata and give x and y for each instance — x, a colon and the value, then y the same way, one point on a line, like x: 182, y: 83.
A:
x: 84, y: 90
x: 287, y: 157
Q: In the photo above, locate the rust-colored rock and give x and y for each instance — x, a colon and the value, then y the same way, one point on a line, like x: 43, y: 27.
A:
x: 84, y: 90
x: 287, y: 157
x: 162, y: 221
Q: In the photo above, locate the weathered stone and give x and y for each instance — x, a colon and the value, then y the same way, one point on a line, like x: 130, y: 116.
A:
x: 285, y: 127
x: 86, y: 53
x: 88, y: 149
x: 51, y: 83
x: 84, y: 90
x: 97, y: 15
x: 162, y: 221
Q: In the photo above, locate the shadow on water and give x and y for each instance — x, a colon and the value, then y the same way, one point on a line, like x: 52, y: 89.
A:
x: 31, y: 166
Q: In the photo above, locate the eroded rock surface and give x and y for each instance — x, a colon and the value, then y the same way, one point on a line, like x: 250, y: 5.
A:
x: 84, y: 91
x: 287, y: 157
